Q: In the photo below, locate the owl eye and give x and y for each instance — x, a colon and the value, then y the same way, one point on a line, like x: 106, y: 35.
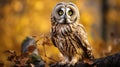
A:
x: 70, y: 12
x: 60, y: 12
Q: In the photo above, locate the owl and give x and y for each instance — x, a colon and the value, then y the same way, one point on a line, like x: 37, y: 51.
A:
x: 68, y: 35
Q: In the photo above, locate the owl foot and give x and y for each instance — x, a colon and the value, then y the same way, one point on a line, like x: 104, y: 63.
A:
x: 88, y: 61
x: 73, y: 61
x: 65, y: 61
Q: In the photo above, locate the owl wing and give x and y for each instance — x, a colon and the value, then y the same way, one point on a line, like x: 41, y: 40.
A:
x: 53, y: 39
x: 81, y: 36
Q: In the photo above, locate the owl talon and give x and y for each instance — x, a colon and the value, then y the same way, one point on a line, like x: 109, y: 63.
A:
x: 74, y: 61
x: 63, y: 62
x: 88, y: 61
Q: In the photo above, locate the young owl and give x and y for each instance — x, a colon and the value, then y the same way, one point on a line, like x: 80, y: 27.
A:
x: 68, y: 35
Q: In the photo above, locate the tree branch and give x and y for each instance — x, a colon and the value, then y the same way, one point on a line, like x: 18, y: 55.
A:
x: 109, y: 61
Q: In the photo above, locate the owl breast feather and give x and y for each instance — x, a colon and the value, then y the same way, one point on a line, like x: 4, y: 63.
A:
x: 64, y: 39
x: 63, y: 30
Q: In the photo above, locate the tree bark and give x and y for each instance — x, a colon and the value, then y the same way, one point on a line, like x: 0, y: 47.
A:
x: 109, y: 61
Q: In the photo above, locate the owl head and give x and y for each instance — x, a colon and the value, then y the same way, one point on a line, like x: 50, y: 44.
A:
x: 65, y: 13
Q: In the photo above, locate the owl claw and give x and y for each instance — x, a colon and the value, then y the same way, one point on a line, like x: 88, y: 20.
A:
x: 73, y: 61
x: 65, y: 61
x: 88, y: 61
x: 62, y: 63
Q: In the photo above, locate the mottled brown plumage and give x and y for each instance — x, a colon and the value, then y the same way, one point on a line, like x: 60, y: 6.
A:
x: 68, y: 35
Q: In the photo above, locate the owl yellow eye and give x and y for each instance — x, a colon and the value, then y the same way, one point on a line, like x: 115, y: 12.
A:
x: 70, y: 12
x: 60, y: 12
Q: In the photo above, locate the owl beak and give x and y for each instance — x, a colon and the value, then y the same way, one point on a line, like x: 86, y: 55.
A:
x: 65, y: 19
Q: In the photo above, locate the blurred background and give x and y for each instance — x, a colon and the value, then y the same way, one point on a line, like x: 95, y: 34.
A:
x: 22, y: 18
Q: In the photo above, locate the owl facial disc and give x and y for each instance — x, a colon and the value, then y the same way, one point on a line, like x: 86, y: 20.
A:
x: 65, y: 13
